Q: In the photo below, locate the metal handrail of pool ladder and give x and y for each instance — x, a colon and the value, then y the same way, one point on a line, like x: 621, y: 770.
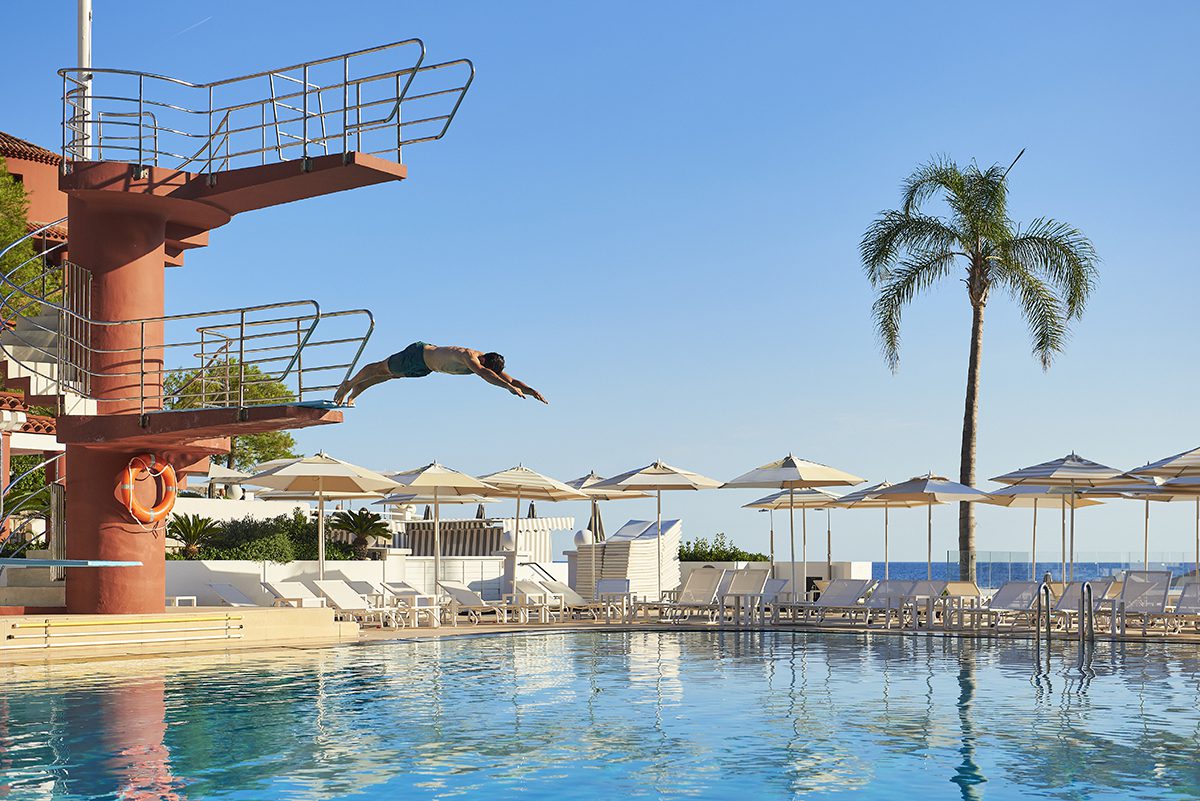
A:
x: 1087, y: 615
x: 1044, y: 607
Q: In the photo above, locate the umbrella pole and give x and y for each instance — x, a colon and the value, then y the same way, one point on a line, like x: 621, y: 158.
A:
x: 1198, y: 535
x: 792, y: 536
x: 828, y: 546
x: 804, y: 549
x: 929, y: 537
x: 885, y: 541
x: 659, y: 540
x: 1072, y: 578
x: 592, y: 551
x: 1033, y: 546
x: 437, y: 543
x: 1146, y: 539
x: 516, y: 543
x: 320, y: 532
x: 771, y: 513
x: 1064, y: 542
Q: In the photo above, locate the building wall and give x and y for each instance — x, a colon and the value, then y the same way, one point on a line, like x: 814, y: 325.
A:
x: 46, y: 202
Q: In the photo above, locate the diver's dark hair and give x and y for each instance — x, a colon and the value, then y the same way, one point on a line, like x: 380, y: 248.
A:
x: 493, y: 361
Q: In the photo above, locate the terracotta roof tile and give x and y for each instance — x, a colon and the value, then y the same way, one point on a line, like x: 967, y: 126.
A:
x: 55, y: 233
x: 12, y: 401
x: 37, y: 424
x: 17, y: 148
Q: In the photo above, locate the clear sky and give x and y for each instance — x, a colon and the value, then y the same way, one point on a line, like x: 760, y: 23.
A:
x: 653, y: 210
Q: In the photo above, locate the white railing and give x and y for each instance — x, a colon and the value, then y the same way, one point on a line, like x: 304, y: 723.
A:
x: 370, y: 101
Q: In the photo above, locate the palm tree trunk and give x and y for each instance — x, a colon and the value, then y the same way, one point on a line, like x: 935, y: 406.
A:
x: 966, y: 472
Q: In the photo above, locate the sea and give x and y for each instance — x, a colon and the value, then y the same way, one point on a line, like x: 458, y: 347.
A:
x: 993, y: 574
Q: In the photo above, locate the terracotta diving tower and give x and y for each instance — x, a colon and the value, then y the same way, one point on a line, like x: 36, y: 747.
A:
x: 151, y: 165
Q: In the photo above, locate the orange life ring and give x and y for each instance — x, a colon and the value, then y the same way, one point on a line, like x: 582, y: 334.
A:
x: 151, y: 465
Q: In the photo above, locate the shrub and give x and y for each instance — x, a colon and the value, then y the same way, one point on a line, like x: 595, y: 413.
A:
x: 721, y: 549
x: 278, y: 539
x: 364, y: 524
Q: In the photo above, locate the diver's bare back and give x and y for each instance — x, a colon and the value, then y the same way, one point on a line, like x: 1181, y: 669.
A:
x: 421, y: 358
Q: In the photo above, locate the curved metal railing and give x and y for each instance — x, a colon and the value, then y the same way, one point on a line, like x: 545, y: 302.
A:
x: 373, y: 101
x: 253, y: 355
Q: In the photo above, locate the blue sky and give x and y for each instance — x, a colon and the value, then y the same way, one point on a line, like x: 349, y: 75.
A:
x: 653, y: 211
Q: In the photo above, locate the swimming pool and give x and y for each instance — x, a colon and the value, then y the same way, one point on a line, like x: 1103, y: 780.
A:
x: 708, y: 715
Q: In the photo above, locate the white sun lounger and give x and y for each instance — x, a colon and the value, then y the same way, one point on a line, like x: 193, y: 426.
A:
x: 292, y: 593
x: 889, y: 598
x: 530, y: 596
x: 698, y: 595
x: 741, y: 594
x: 232, y: 596
x: 1187, y: 606
x: 465, y: 600
x: 1143, y: 595
x: 347, y: 603
x: 1066, y: 608
x: 571, y: 603
x: 619, y: 600
x: 407, y: 606
x: 841, y: 597
x: 1014, y: 602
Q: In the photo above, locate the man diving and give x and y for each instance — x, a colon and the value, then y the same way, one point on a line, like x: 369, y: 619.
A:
x: 420, y: 359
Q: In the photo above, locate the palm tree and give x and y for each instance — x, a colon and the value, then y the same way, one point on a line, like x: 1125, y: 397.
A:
x: 1047, y: 267
x: 365, y: 525
x: 192, y: 531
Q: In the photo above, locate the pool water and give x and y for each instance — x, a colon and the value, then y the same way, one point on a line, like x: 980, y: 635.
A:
x: 608, y: 715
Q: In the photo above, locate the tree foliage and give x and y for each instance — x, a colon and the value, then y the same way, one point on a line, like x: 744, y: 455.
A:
x: 192, y: 531
x: 1048, y: 267
x: 279, y: 539
x: 221, y: 384
x: 364, y: 524
x: 19, y: 264
x: 721, y: 549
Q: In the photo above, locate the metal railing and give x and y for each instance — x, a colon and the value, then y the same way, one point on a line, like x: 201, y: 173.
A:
x: 249, y: 356
x: 372, y: 101
x: 13, y: 515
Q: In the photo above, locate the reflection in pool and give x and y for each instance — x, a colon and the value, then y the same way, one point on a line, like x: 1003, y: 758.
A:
x: 720, y: 715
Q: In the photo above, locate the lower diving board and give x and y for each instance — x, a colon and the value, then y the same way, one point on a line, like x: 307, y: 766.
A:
x: 65, y: 563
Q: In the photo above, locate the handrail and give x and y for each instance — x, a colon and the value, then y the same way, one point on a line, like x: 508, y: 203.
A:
x: 1087, y: 615
x: 254, y: 345
x: 173, y: 116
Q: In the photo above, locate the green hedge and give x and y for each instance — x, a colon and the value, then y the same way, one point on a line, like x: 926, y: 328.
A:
x: 278, y: 539
x: 721, y: 549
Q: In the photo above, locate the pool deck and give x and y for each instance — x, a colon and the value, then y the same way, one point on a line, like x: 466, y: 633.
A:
x: 38, y: 639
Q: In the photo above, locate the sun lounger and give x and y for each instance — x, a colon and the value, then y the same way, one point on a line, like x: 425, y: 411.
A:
x: 232, y: 596
x: 842, y: 598
x: 698, y: 595
x: 530, y: 596
x: 771, y: 598
x: 740, y: 593
x: 1066, y: 608
x: 571, y: 603
x: 1187, y: 607
x: 1144, y: 596
x: 292, y: 593
x: 347, y: 603
x: 890, y: 598
x: 957, y: 600
x: 1014, y: 602
x: 407, y: 606
x: 464, y: 600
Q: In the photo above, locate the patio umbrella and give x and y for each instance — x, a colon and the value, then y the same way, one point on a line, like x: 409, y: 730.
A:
x: 588, y: 486
x: 521, y: 482
x: 1182, y: 471
x: 1034, y: 496
x: 1071, y: 471
x: 790, y: 499
x: 656, y: 478
x: 325, y: 478
x: 441, y: 481
x: 929, y: 490
x: 790, y: 473
x: 868, y: 498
